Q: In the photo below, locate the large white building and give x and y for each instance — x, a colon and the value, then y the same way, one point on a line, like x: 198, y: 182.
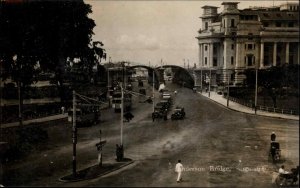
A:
x: 256, y: 37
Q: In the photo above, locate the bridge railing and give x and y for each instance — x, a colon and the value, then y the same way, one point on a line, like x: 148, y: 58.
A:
x: 265, y: 108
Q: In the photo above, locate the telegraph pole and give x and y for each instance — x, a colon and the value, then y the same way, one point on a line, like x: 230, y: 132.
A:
x: 74, y: 134
x: 201, y: 79
x: 122, y: 112
x: 255, y: 100
x: 228, y: 75
x: 209, y: 83
x: 153, y: 88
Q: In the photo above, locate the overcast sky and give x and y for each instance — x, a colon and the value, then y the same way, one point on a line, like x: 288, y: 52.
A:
x: 148, y: 31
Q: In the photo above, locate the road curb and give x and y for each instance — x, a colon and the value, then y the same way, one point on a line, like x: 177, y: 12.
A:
x: 96, y: 176
x: 246, y: 112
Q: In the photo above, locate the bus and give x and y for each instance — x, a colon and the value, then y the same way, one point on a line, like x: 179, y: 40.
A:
x: 117, y: 101
x: 85, y: 116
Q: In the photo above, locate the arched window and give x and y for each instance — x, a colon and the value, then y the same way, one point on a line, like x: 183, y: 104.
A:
x: 232, y: 23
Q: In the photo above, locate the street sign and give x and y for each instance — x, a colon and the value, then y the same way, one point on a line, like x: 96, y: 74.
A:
x: 99, y: 145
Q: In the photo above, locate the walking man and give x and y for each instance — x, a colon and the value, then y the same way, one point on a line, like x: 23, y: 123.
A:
x: 179, y: 169
x: 273, y: 137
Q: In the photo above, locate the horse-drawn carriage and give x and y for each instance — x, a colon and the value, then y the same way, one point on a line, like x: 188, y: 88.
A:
x: 289, y: 179
x: 275, y: 152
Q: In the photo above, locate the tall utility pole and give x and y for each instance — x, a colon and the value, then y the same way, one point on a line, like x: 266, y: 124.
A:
x: 209, y: 83
x: 201, y: 79
x: 122, y: 112
x: 255, y: 99
x: 74, y: 134
x: 228, y: 78
x: 15, y: 58
x: 153, y: 79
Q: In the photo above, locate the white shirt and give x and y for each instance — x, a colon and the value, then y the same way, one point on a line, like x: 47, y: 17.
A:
x: 282, y: 171
x: 179, y: 167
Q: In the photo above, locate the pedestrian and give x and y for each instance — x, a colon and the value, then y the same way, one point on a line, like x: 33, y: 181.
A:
x: 63, y: 110
x: 283, y: 174
x: 175, y: 92
x: 179, y: 169
x: 153, y: 116
x: 118, y: 152
x: 273, y: 137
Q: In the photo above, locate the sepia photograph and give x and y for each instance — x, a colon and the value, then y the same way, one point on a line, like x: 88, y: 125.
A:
x: 149, y: 93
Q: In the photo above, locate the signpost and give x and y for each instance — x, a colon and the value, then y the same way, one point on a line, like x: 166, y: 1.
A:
x: 74, y: 134
x: 99, y: 146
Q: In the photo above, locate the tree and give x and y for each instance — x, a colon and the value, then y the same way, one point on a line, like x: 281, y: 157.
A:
x: 48, y: 32
x: 272, y: 80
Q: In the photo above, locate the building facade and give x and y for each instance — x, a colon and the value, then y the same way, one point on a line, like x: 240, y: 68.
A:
x: 256, y: 37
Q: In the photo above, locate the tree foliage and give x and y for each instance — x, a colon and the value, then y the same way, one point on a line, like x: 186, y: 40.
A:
x: 275, y: 79
x: 48, y: 33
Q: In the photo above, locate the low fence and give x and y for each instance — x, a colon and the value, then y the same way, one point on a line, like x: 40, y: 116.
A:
x: 265, y: 108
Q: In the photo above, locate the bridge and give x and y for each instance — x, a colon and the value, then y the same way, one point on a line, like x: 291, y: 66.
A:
x: 182, y: 76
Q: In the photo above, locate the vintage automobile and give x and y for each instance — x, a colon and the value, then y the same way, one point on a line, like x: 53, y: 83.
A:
x: 179, y: 113
x: 159, y: 113
x: 85, y: 116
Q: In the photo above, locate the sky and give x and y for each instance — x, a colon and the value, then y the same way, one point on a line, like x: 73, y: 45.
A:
x: 153, y: 32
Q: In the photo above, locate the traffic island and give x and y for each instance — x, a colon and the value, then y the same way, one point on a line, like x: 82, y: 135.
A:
x: 96, y: 171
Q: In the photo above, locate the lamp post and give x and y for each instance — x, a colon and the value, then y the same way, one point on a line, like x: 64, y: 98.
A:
x: 122, y: 112
x: 74, y: 134
x: 209, y: 83
x: 228, y: 78
x: 255, y: 99
x: 201, y: 80
x: 153, y: 89
x: 15, y: 58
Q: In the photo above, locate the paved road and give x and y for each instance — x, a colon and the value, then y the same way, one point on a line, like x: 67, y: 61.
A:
x: 216, y: 145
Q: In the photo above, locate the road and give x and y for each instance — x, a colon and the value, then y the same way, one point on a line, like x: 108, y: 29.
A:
x: 217, y: 146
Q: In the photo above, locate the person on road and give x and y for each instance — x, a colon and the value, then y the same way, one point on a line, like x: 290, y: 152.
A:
x: 175, y: 92
x: 273, y: 137
x: 283, y: 174
x: 179, y: 169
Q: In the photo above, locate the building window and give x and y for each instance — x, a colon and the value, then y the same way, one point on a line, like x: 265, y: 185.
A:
x: 253, y: 46
x: 224, y: 23
x: 206, y: 25
x: 266, y: 15
x: 205, y: 60
x: 231, y: 60
x: 250, y: 37
x: 250, y: 60
x: 232, y: 22
x: 290, y: 24
x: 245, y: 46
x: 205, y: 47
x: 232, y: 46
x: 278, y: 24
x: 250, y: 46
x: 215, y: 62
x: 266, y: 24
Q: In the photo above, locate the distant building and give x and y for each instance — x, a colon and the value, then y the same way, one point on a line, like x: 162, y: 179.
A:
x: 256, y: 37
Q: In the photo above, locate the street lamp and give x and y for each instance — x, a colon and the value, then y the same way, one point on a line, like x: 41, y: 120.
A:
x: 209, y: 83
x: 228, y: 78
x: 201, y: 80
x: 255, y: 99
x: 15, y: 58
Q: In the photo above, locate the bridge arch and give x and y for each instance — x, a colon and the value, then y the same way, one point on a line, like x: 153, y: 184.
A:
x: 150, y: 74
x: 181, y: 75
